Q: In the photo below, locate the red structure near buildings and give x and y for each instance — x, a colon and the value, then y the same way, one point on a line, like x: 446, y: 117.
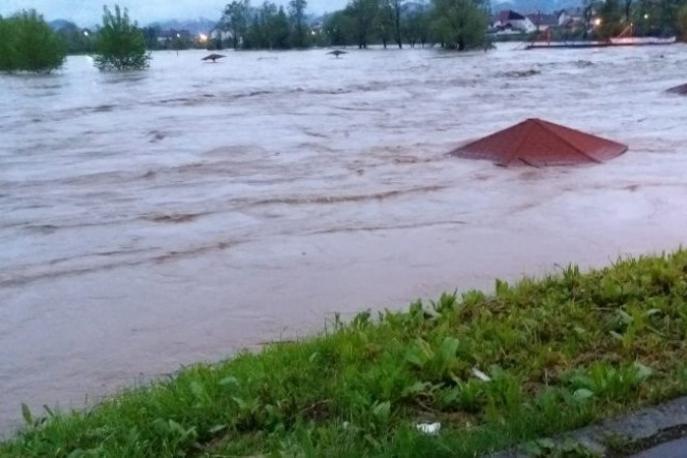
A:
x: 539, y: 143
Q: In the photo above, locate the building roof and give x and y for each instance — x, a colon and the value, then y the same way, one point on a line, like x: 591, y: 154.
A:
x: 538, y: 143
x: 543, y: 19
x: 576, y: 12
x: 681, y: 89
x: 509, y: 15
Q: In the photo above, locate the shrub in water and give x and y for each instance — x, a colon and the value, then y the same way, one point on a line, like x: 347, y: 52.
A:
x: 460, y: 24
x: 682, y: 23
x: 28, y: 44
x: 120, y: 45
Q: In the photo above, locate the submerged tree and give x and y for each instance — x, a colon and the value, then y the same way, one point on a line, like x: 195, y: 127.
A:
x: 27, y: 43
x: 77, y: 40
x: 611, y: 16
x: 628, y: 11
x: 235, y: 20
x: 120, y: 44
x: 269, y: 29
x: 363, y: 14
x: 460, y: 24
x: 280, y: 30
x: 682, y: 23
x: 297, y: 12
x: 151, y: 35
x: 416, y: 24
x: 385, y: 21
x: 339, y: 29
x: 398, y: 10
x: 658, y: 17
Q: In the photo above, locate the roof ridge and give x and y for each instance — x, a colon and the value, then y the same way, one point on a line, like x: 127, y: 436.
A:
x: 545, y: 125
x: 538, y: 142
x: 528, y: 126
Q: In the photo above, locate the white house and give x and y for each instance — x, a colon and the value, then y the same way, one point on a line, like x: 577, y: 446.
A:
x: 510, y: 21
x: 223, y: 35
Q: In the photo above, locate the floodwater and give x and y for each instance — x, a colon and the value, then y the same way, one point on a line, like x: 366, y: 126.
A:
x: 151, y: 220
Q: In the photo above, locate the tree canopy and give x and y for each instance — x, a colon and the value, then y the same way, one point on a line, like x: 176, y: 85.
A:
x: 120, y: 44
x: 77, y: 40
x: 235, y: 20
x: 455, y: 24
x: 27, y: 43
x: 297, y: 12
x: 682, y: 22
x: 460, y: 24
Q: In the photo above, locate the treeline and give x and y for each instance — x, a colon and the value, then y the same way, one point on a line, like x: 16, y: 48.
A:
x: 640, y: 17
x: 158, y: 39
x: 455, y: 24
x: 29, y: 44
x: 268, y: 26
x: 83, y: 41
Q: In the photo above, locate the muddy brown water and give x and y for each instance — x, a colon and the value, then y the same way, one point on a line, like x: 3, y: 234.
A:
x: 151, y: 220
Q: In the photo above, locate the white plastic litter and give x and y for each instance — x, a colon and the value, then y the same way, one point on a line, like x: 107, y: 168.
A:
x: 480, y: 375
x: 429, y: 428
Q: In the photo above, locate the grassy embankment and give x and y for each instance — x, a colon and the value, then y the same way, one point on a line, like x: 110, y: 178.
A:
x: 533, y: 359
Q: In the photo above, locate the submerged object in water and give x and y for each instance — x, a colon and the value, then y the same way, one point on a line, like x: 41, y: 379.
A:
x: 213, y: 57
x: 538, y: 143
x: 337, y: 53
x: 680, y: 90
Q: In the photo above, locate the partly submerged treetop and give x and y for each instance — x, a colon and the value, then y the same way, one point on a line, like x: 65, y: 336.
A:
x: 28, y: 44
x: 460, y: 24
x: 121, y: 45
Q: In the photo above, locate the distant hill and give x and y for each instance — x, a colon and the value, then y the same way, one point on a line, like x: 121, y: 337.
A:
x: 59, y: 24
x: 201, y: 25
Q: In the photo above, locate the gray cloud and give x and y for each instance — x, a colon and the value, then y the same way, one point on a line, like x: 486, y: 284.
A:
x: 87, y: 12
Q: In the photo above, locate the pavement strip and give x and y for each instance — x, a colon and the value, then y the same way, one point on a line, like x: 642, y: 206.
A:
x: 652, y: 432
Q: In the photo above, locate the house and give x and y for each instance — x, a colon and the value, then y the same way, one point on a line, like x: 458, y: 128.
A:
x: 168, y: 36
x: 511, y: 22
x: 543, y: 21
x: 317, y: 26
x: 571, y: 18
x: 219, y: 34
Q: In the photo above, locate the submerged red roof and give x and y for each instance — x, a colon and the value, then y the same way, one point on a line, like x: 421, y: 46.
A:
x: 681, y: 89
x: 540, y: 143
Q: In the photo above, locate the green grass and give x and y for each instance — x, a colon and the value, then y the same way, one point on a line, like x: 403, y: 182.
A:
x: 531, y: 360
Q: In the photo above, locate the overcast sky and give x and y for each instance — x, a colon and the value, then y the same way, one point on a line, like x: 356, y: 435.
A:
x: 87, y: 12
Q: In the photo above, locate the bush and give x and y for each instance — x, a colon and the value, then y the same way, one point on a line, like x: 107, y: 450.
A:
x: 682, y: 23
x: 27, y: 43
x: 121, y: 44
x: 460, y: 24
